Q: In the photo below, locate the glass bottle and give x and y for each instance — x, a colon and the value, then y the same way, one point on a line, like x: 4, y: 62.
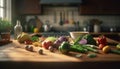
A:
x: 17, y: 29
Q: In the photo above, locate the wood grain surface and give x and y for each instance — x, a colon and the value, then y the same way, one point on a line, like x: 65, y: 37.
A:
x: 16, y: 52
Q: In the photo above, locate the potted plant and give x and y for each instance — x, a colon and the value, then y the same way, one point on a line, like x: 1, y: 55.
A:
x: 5, y: 25
x: 5, y: 29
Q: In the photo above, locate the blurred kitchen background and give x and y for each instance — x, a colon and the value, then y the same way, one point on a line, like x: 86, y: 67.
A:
x: 75, y: 15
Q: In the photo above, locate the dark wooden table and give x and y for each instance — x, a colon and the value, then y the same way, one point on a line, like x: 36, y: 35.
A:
x: 13, y: 56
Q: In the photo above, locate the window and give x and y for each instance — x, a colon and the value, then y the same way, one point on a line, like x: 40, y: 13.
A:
x: 2, y: 8
x: 5, y: 9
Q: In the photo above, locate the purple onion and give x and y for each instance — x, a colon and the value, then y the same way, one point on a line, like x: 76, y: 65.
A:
x: 83, y: 41
x: 63, y: 38
x: 57, y: 43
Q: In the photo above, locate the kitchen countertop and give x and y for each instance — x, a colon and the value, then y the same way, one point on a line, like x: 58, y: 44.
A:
x: 13, y: 55
x: 113, y: 35
x: 16, y: 52
x: 105, y: 33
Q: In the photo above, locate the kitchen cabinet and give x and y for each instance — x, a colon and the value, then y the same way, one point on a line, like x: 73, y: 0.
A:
x: 28, y: 6
x: 100, y: 7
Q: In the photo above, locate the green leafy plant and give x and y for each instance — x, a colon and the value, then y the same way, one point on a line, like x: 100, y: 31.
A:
x: 5, y: 25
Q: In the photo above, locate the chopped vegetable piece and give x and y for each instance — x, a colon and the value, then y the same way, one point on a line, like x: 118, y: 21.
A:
x: 92, y: 55
x: 30, y: 48
x: 118, y: 46
x: 79, y: 55
x: 35, y: 38
x: 26, y: 47
x: 116, y: 51
x: 90, y: 49
x: 78, y: 48
x: 40, y: 51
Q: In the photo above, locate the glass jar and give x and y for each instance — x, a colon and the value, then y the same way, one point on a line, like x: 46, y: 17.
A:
x: 96, y: 28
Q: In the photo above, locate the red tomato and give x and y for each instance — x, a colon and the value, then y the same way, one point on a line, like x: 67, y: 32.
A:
x: 46, y: 44
x: 101, y: 46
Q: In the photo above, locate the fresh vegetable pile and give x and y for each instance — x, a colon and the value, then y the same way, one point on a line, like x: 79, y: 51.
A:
x: 83, y: 44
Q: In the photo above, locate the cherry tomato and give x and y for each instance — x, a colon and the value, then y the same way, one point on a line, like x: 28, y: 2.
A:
x: 28, y: 42
x: 46, y: 44
x: 101, y: 46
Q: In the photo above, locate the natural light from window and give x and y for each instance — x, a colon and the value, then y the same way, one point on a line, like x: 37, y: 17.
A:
x: 1, y: 8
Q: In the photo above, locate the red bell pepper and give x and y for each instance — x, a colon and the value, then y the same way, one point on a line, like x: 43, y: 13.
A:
x: 102, y: 40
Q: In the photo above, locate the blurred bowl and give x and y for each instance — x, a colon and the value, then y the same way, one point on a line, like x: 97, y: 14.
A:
x: 75, y: 35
